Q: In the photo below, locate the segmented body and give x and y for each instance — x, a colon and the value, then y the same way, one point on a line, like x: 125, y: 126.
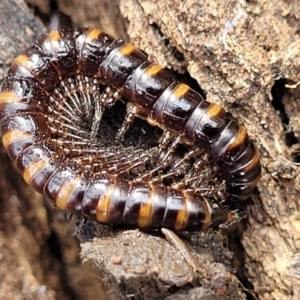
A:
x: 46, y: 155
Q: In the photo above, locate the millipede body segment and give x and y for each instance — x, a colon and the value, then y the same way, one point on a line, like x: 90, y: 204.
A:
x: 45, y: 134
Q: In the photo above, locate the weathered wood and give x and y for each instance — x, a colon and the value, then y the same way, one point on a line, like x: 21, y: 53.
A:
x: 236, y: 52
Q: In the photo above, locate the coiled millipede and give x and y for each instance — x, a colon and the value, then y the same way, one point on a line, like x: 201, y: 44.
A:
x: 45, y: 133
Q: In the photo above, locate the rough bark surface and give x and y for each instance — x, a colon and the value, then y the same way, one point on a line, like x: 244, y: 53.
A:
x: 243, y: 54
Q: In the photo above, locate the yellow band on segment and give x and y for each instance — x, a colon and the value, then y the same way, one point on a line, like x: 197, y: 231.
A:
x: 180, y: 90
x: 153, y: 69
x: 21, y: 60
x: 144, y: 218
x: 54, y: 35
x: 14, y: 135
x: 65, y: 193
x: 103, y: 205
x: 93, y: 34
x: 239, y: 138
x: 181, y: 219
x: 9, y: 97
x: 33, y: 169
x: 126, y: 49
x: 213, y: 110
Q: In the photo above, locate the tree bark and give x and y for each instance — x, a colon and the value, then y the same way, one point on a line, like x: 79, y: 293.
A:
x: 245, y: 56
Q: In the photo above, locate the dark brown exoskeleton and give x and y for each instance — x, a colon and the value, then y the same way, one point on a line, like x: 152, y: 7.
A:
x: 45, y: 134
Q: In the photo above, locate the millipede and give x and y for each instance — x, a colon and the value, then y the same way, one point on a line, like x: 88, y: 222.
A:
x: 51, y: 106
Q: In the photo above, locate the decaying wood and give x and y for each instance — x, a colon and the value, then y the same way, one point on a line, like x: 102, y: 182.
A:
x: 146, y: 266
x: 242, y: 53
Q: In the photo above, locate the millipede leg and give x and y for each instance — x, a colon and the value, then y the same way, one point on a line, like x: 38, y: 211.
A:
x: 150, y: 174
x: 84, y: 95
x: 102, y: 101
x: 98, y: 111
x: 131, y: 112
x: 165, y: 141
x: 187, y: 157
x: 233, y: 218
x: 177, y: 168
x: 134, y: 162
x: 172, y: 148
